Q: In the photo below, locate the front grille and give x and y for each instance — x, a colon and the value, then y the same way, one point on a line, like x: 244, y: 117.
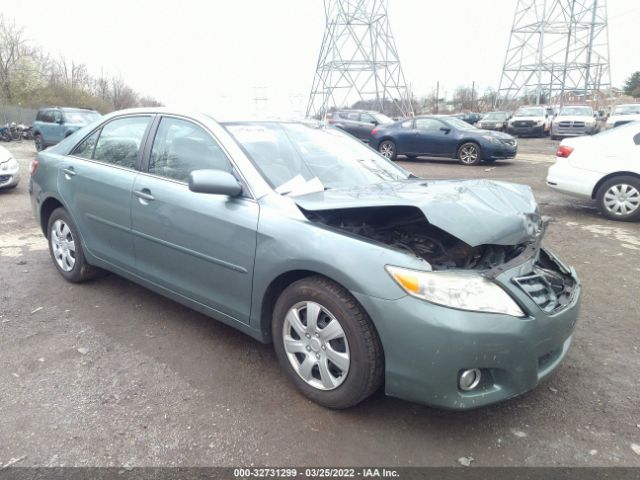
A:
x: 537, y: 287
x: 523, y: 123
x: 571, y: 124
x: 549, y: 285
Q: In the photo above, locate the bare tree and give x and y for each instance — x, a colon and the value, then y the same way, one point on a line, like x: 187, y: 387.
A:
x: 12, y: 51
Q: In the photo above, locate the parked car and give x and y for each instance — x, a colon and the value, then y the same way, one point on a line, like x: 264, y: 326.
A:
x: 494, y: 121
x: 574, y: 121
x: 623, y: 114
x: 447, y: 137
x: 358, y: 123
x: 531, y: 121
x: 9, y: 169
x: 604, y: 167
x: 470, y: 117
x: 54, y: 124
x: 360, y: 273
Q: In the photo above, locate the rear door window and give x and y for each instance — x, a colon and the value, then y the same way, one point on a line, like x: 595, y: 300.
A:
x: 120, y: 141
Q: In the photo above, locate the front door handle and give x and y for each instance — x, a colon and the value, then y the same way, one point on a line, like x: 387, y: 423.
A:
x: 144, y: 196
x: 69, y: 172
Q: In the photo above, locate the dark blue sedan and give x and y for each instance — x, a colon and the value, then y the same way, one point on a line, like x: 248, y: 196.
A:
x: 439, y: 136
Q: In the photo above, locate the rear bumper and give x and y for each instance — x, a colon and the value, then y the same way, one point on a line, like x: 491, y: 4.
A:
x: 564, y: 177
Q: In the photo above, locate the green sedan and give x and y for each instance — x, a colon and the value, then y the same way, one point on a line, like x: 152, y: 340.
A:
x: 362, y: 275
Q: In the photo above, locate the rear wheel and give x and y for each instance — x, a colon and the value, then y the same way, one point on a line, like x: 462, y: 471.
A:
x: 326, y: 343
x: 619, y: 198
x: 66, y: 249
x: 388, y: 149
x: 469, y: 154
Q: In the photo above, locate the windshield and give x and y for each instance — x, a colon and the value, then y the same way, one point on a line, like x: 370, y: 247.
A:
x: 529, y: 112
x: 579, y: 111
x: 81, y: 117
x: 496, y: 116
x: 627, y: 110
x: 297, y: 158
x: 459, y: 124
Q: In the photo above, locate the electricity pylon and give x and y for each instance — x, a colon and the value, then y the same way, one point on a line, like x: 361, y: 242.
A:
x: 358, y: 61
x: 557, y: 48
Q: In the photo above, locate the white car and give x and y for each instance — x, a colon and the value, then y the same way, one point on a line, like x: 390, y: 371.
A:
x: 623, y: 114
x: 574, y: 121
x: 604, y: 167
x: 9, y: 169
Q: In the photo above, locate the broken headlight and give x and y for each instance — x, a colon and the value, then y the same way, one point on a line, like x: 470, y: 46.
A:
x: 461, y: 290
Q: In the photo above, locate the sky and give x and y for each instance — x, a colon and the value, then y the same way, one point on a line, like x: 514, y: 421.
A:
x: 228, y: 56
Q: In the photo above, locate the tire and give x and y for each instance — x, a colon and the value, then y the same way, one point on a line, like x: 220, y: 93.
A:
x: 469, y: 154
x: 388, y: 149
x: 70, y: 262
x: 610, y: 197
x: 359, y: 374
x: 39, y: 142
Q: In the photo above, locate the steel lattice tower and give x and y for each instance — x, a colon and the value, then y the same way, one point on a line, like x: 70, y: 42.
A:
x: 557, y: 48
x: 358, y: 61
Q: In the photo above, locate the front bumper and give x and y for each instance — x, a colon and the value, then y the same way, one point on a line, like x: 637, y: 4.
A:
x: 9, y: 178
x: 497, y: 151
x: 426, y: 347
x: 558, y: 131
x: 526, y: 130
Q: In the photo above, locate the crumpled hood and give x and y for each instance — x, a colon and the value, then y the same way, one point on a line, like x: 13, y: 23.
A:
x: 478, y: 212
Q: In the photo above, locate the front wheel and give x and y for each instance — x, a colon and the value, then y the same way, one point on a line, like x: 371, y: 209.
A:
x: 326, y: 343
x: 388, y: 149
x: 66, y: 249
x: 469, y: 154
x: 619, y: 198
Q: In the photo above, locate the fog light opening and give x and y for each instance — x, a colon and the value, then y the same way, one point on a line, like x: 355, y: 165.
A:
x: 469, y: 379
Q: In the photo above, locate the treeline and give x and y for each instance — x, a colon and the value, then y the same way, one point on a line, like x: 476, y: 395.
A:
x: 31, y: 77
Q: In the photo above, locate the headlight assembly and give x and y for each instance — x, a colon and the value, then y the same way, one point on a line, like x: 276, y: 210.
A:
x: 460, y: 290
x: 9, y: 164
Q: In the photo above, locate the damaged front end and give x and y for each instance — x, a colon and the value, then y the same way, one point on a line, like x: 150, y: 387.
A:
x: 541, y: 275
x: 407, y: 229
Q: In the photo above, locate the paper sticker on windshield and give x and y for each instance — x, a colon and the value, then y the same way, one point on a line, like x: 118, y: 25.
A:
x: 252, y: 133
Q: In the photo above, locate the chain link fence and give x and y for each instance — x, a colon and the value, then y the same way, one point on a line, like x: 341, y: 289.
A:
x: 10, y: 113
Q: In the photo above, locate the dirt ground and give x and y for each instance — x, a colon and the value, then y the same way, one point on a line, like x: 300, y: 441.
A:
x: 109, y: 374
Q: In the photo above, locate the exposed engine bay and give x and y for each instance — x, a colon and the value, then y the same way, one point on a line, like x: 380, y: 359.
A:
x: 406, y: 228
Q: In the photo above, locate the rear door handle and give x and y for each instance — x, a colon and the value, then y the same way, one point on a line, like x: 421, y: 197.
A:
x: 144, y: 195
x: 69, y: 172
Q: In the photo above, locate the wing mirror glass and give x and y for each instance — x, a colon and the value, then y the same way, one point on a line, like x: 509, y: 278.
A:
x: 215, y: 182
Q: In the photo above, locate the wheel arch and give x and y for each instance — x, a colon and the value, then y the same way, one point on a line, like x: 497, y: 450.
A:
x: 279, y: 285
x: 608, y: 177
x: 46, y: 209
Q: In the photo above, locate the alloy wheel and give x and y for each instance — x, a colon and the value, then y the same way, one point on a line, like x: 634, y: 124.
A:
x: 622, y: 199
x: 63, y: 245
x: 386, y: 149
x: 316, y: 345
x: 468, y: 154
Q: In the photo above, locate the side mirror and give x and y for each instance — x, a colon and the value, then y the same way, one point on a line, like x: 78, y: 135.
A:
x: 445, y: 130
x: 216, y: 182
x: 60, y: 121
x: 374, y: 122
x: 546, y: 115
x: 555, y: 115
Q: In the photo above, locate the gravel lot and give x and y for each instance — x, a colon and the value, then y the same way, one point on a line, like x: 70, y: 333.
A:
x: 110, y: 374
